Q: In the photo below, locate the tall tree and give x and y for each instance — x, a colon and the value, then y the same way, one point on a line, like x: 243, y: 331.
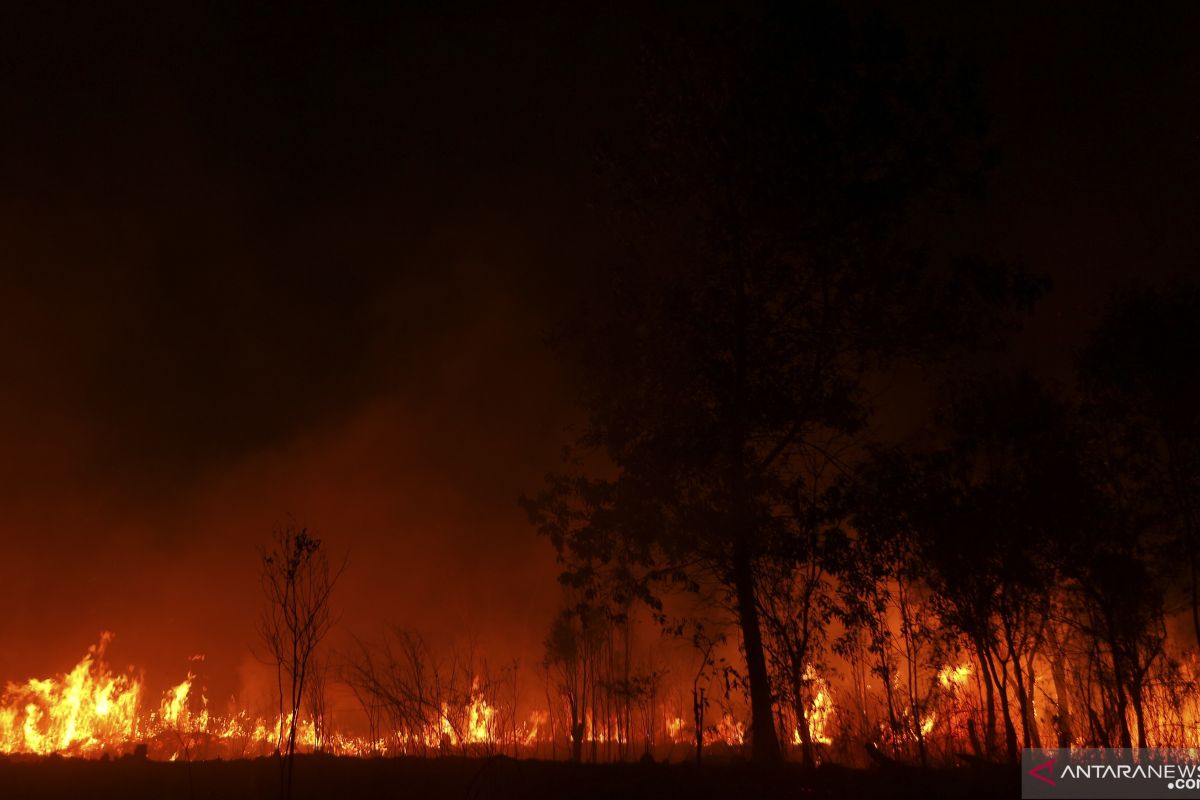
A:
x: 763, y: 282
x: 1142, y: 396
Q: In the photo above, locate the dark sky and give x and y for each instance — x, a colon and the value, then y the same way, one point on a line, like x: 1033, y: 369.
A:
x: 256, y: 264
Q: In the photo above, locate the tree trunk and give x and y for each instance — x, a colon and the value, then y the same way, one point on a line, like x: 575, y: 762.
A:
x: 989, y: 735
x: 1123, y: 720
x: 1139, y: 715
x: 911, y: 656
x: 800, y: 707
x: 576, y: 730
x: 1023, y: 704
x: 577, y: 742
x: 1119, y: 688
x: 1058, y: 672
x: 1000, y: 676
x: 885, y: 672
x: 808, y: 751
x: 764, y: 741
x: 1034, y: 734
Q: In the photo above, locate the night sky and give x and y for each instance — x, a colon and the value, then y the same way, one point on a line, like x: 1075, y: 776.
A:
x: 256, y: 265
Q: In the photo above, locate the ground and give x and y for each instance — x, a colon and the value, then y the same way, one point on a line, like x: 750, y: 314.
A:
x: 447, y: 778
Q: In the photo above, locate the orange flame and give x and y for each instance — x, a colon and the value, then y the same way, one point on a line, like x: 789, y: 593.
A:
x: 83, y: 712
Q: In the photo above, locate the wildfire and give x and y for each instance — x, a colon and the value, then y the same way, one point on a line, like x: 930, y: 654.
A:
x: 952, y: 676
x: 728, y: 730
x: 480, y: 717
x: 537, y: 720
x: 84, y: 712
x: 174, y: 703
x: 90, y: 711
x: 475, y: 726
x: 820, y: 711
x: 675, y: 728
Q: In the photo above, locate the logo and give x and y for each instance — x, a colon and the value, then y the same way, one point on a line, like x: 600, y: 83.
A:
x: 1034, y: 772
x: 1102, y: 773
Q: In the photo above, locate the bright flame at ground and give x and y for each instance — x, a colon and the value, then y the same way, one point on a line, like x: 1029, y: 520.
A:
x: 729, y: 731
x: 477, y: 726
x: 820, y: 712
x: 90, y: 711
x: 83, y: 712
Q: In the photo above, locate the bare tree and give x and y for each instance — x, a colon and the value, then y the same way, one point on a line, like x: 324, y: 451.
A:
x: 297, y: 584
x: 398, y: 682
x: 572, y: 657
x: 699, y: 692
x: 318, y: 702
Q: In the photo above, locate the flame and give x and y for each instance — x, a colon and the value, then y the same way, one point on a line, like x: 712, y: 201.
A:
x: 728, y: 731
x: 602, y: 733
x: 951, y: 677
x: 479, y: 717
x: 476, y: 721
x: 820, y: 711
x: 83, y: 712
x: 174, y: 703
x: 531, y: 729
x: 90, y: 711
x: 675, y: 729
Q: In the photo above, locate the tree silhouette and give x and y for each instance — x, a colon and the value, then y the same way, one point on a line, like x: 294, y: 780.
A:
x: 765, y: 281
x: 297, y: 584
x: 1008, y: 524
x: 1142, y: 395
x: 572, y: 654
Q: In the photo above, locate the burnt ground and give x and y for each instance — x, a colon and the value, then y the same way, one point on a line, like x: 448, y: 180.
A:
x: 452, y: 778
